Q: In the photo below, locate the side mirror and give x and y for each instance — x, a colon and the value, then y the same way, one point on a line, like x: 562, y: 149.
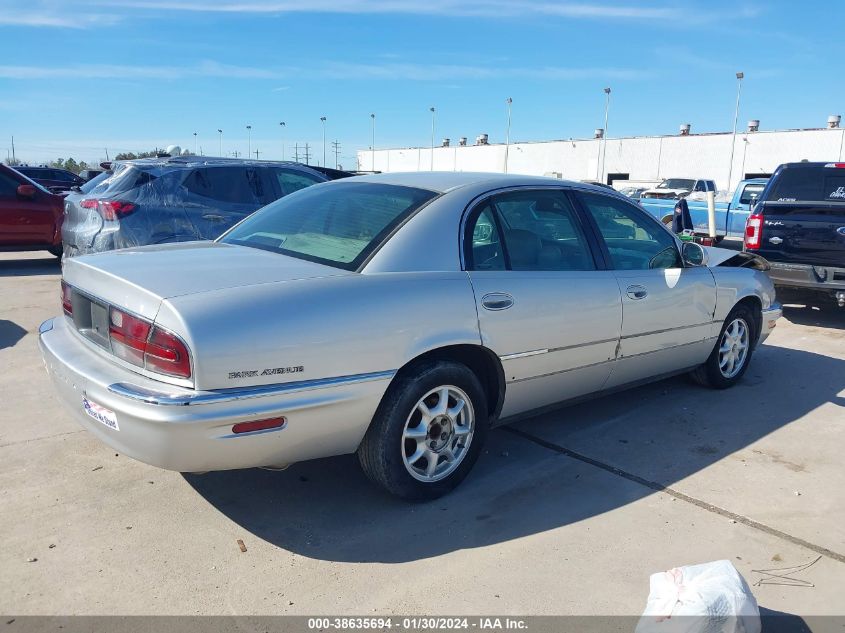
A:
x: 26, y: 192
x: 693, y: 254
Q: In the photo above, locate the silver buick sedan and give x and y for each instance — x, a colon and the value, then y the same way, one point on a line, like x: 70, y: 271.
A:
x: 396, y: 316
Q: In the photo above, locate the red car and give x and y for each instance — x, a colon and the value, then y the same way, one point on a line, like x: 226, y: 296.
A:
x: 30, y: 216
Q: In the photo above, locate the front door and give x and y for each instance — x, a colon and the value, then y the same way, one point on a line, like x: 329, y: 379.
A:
x: 544, y: 307
x: 667, y: 310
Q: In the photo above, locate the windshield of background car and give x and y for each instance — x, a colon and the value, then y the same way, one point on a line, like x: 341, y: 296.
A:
x: 808, y: 184
x: 338, y: 224
x: 676, y: 183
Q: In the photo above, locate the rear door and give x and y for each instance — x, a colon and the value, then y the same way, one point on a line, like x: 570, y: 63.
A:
x: 804, y: 216
x: 217, y: 198
x: 667, y: 310
x: 545, y: 306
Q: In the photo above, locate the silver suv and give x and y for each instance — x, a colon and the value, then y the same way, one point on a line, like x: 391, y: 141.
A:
x: 161, y: 200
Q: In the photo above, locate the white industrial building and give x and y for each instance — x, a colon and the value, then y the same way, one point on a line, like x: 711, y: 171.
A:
x: 643, y: 159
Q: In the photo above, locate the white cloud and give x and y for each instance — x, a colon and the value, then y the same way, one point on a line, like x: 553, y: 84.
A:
x: 54, y: 19
x: 490, y: 8
x: 331, y: 70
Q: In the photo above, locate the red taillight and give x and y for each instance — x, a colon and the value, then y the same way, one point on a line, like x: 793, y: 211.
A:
x: 109, y: 209
x: 129, y: 336
x: 836, y: 165
x: 139, y: 342
x: 753, y: 232
x: 67, y: 303
x: 167, y: 354
x: 258, y: 425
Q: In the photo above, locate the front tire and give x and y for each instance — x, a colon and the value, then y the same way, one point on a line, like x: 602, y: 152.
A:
x: 731, y: 355
x: 427, y: 432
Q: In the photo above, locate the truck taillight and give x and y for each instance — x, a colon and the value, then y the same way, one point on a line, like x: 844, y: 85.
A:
x: 143, y: 344
x: 109, y: 209
x: 753, y: 232
x: 67, y: 302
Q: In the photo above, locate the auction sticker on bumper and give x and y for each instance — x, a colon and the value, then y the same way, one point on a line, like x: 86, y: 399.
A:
x: 100, y: 414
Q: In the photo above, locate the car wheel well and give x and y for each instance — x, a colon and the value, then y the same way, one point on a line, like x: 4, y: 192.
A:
x: 482, y: 361
x: 756, y: 307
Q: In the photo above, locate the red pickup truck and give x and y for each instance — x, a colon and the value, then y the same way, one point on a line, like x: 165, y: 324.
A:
x: 30, y: 216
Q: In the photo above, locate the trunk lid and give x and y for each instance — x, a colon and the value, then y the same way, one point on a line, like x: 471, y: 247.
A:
x: 139, y: 279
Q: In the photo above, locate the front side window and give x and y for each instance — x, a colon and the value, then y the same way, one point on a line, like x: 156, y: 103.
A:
x: 338, y: 225
x: 634, y: 241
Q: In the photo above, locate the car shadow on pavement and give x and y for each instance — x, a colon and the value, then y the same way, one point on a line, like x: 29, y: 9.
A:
x: 663, y: 432
x: 827, y: 315
x: 28, y: 267
x: 10, y: 333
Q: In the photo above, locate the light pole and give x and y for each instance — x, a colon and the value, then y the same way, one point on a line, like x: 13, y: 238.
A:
x: 373, y: 145
x: 432, y: 137
x: 739, y: 77
x: 195, y: 143
x: 249, y: 140
x: 323, y: 119
x: 283, y: 126
x: 220, y: 139
x: 508, y: 133
x: 604, y: 136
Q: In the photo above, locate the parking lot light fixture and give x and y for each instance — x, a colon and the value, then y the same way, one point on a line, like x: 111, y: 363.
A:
x: 509, y: 101
x: 283, y: 126
x: 195, y: 143
x: 249, y: 140
x: 433, y: 114
x: 323, y: 119
x: 604, y: 136
x: 373, y: 143
x: 220, y: 139
x: 739, y: 77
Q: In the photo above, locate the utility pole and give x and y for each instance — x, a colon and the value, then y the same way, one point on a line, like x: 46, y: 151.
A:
x: 14, y: 159
x: 107, y: 152
x: 296, y: 152
x: 256, y: 154
x: 336, y: 148
x: 236, y: 153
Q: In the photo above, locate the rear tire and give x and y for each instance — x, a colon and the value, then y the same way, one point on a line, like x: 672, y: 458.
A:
x: 731, y: 355
x: 427, y: 432
x: 56, y: 251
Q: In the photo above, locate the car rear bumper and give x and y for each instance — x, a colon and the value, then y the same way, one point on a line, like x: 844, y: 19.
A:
x: 807, y: 277
x: 191, y: 431
x: 770, y: 319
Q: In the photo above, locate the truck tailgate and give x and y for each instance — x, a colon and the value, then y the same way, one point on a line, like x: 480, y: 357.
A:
x: 804, y: 232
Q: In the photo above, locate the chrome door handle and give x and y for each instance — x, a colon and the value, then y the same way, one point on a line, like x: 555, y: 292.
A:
x: 497, y: 301
x: 637, y: 292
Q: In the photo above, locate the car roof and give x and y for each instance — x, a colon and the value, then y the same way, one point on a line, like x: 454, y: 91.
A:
x: 444, y: 181
x: 185, y: 162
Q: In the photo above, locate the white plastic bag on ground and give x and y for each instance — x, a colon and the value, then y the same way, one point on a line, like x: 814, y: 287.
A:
x: 707, y: 598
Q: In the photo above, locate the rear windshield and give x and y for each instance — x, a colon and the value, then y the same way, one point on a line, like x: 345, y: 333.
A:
x: 807, y: 184
x: 96, y: 180
x: 125, y: 178
x: 338, y: 224
x: 750, y: 192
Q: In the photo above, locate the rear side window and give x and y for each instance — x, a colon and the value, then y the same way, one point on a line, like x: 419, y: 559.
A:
x: 291, y: 180
x: 235, y: 185
x: 814, y: 185
x: 337, y: 225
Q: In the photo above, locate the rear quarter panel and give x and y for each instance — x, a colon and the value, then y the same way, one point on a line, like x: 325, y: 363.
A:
x: 320, y: 328
x: 735, y: 284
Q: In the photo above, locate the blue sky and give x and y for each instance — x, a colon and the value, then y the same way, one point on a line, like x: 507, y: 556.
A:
x: 79, y: 76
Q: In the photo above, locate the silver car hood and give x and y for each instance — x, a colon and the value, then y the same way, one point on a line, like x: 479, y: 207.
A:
x: 139, y: 279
